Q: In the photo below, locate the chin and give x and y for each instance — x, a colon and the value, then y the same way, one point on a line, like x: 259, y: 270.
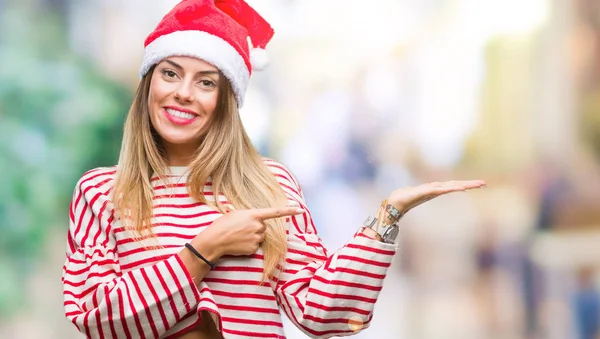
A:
x: 180, y: 136
x: 179, y: 141
x: 177, y: 134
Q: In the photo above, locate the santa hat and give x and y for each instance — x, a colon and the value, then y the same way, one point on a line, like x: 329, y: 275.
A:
x: 215, y: 31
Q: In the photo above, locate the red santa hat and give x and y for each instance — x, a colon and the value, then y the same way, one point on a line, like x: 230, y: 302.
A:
x: 215, y: 31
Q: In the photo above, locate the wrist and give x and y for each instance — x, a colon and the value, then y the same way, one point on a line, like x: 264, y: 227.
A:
x: 384, y: 226
x: 390, y: 213
x: 370, y: 233
x: 209, y: 249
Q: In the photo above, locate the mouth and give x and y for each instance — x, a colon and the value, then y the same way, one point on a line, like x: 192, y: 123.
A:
x: 179, y: 117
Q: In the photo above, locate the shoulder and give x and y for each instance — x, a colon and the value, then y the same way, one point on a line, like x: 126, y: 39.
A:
x: 293, y: 191
x: 281, y: 172
x: 96, y: 181
x: 284, y: 176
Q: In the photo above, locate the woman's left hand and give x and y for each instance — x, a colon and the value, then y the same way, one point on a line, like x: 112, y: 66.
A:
x: 405, y: 199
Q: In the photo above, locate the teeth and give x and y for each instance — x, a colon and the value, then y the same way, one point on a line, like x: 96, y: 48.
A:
x: 181, y: 115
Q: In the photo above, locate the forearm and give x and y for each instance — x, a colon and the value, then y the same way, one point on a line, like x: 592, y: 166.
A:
x: 369, y: 232
x: 322, y: 297
x: 148, y: 301
x: 198, y: 268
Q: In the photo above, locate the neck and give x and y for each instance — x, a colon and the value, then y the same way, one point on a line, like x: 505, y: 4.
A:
x: 180, y: 155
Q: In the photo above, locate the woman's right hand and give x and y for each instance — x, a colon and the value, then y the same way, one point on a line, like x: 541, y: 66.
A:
x: 239, y: 232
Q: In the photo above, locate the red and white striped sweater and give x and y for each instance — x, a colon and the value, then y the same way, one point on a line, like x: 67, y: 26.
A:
x: 114, y: 287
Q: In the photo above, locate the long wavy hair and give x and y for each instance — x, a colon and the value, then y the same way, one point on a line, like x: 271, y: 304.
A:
x: 225, y: 154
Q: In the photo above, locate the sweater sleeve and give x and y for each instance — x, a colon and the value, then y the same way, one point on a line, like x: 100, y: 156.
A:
x: 99, y: 298
x: 328, y: 295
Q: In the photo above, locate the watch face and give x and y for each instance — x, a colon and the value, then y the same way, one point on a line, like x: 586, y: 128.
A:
x: 391, y: 234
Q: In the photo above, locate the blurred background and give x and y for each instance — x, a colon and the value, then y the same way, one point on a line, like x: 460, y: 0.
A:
x: 361, y: 97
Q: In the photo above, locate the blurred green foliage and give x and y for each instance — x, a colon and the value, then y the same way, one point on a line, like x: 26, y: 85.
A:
x: 59, y: 116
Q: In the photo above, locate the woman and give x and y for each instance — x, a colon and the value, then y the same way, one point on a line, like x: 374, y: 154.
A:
x: 193, y: 234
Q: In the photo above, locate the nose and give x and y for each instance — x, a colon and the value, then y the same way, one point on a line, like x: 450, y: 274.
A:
x: 183, y: 93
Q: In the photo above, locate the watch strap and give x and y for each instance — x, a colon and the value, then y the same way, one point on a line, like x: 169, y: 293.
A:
x: 387, y: 232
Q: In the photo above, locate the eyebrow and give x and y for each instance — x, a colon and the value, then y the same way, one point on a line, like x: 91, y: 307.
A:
x: 179, y: 67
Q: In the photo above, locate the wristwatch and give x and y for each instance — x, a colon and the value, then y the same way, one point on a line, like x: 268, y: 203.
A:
x: 388, y: 233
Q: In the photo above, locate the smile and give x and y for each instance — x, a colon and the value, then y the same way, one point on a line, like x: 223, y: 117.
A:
x: 179, y: 117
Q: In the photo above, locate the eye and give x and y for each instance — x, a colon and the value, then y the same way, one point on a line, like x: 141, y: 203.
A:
x: 207, y: 83
x: 169, y: 73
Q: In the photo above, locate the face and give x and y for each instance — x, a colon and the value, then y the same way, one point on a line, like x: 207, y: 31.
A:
x: 182, y: 99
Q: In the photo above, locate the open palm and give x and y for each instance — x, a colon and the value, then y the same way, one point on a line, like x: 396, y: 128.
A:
x: 404, y: 199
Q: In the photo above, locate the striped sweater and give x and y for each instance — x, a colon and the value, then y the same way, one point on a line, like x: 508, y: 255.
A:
x: 114, y: 286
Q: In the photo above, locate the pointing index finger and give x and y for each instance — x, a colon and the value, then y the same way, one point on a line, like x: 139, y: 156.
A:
x: 277, y: 212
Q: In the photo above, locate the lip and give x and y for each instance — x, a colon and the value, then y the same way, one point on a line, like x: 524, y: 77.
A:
x: 184, y: 110
x: 176, y: 120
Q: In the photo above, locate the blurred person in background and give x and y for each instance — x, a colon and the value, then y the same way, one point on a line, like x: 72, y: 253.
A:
x: 195, y: 235
x: 586, y: 304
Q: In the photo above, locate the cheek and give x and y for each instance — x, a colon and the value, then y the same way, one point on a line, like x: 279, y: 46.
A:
x: 209, y: 103
x: 152, y: 106
x: 215, y: 100
x: 213, y: 107
x: 155, y: 93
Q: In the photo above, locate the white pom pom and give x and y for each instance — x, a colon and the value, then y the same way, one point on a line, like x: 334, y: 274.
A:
x: 259, y: 58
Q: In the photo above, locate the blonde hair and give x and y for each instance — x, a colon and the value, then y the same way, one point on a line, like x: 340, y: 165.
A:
x: 226, y: 155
